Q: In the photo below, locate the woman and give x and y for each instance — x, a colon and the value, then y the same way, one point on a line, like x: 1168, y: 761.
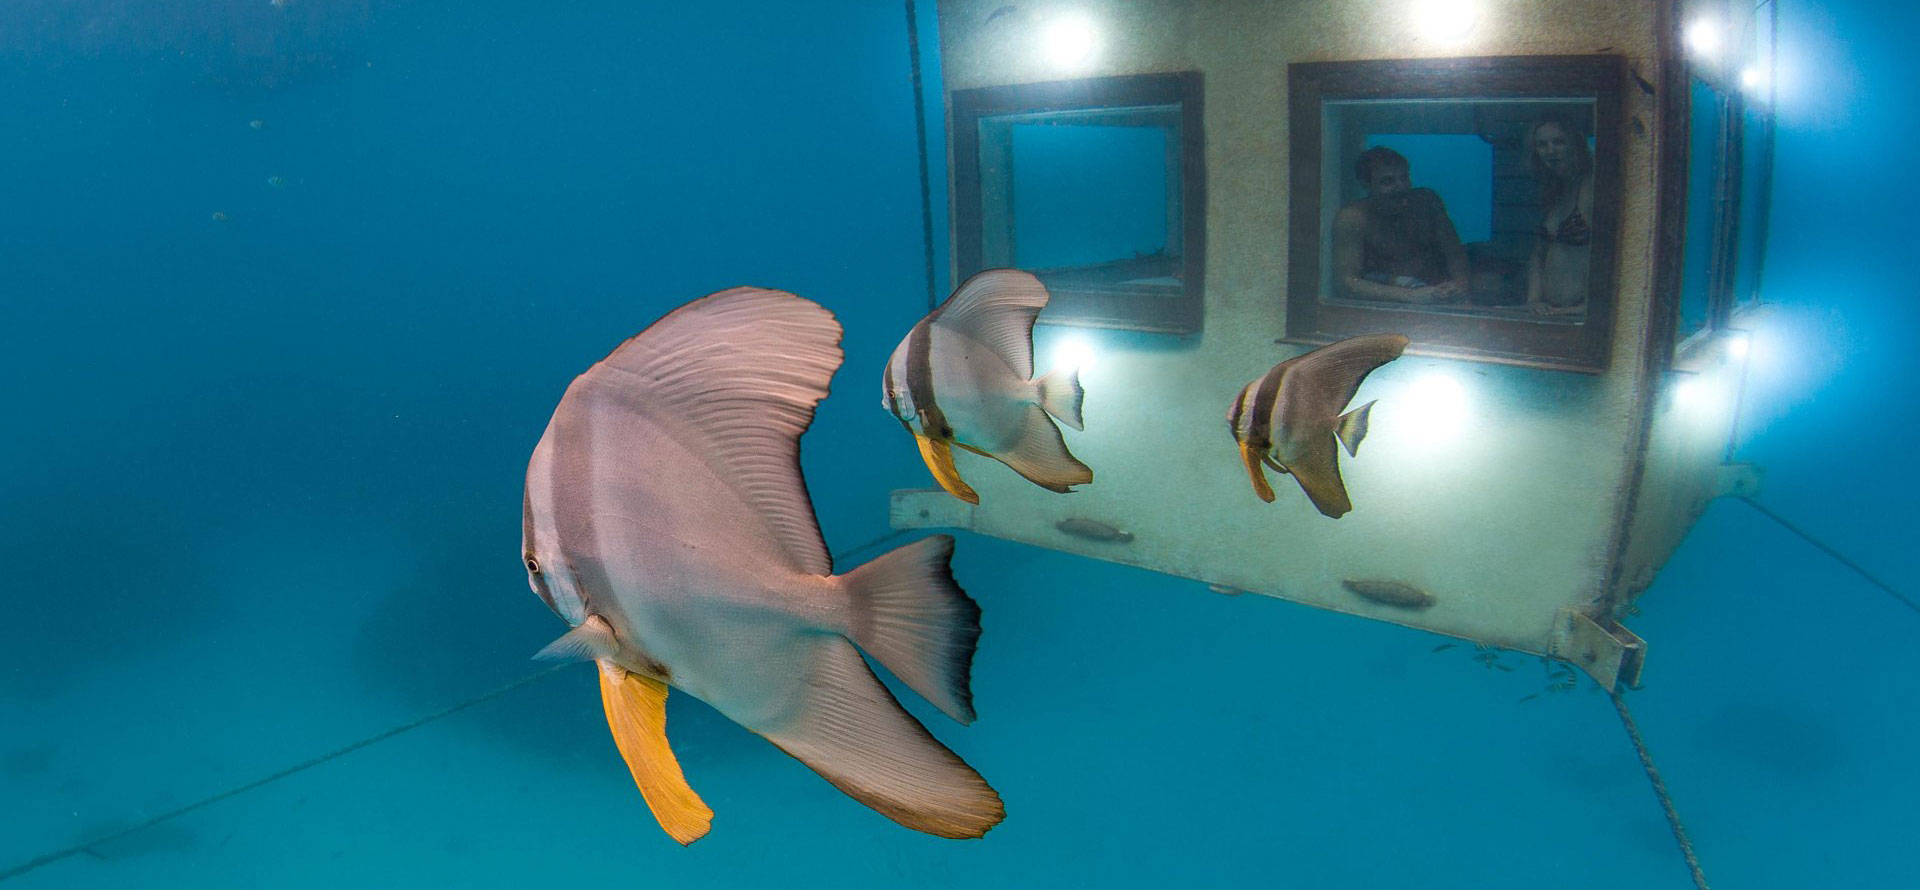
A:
x: 1557, y: 275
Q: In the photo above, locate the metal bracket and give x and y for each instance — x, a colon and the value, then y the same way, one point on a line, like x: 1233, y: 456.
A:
x: 1738, y: 480
x: 1608, y: 652
x: 927, y: 508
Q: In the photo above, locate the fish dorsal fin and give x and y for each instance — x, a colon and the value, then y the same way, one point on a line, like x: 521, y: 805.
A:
x: 997, y: 308
x: 1322, y: 382
x: 745, y: 368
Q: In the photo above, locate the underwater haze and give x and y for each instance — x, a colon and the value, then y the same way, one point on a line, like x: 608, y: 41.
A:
x: 288, y: 293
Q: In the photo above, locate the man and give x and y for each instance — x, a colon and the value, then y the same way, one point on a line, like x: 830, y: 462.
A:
x: 1396, y: 244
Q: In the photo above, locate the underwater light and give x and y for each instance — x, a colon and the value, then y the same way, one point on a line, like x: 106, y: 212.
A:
x: 1448, y: 21
x: 1073, y: 352
x: 1071, y: 39
x: 1703, y: 37
x: 1436, y: 403
x: 1753, y: 80
x: 1738, y: 343
x: 1704, y: 398
x: 1689, y: 393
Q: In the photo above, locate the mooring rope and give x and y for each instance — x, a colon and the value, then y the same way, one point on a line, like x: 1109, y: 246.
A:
x: 75, y: 850
x: 1660, y: 791
x: 47, y: 859
x: 843, y: 555
x: 1838, y: 557
x: 920, y: 133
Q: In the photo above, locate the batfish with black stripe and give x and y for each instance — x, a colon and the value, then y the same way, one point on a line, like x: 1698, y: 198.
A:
x: 1289, y: 419
x: 963, y: 377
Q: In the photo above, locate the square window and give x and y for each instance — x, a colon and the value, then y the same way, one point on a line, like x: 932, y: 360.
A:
x: 1095, y: 186
x: 1471, y: 204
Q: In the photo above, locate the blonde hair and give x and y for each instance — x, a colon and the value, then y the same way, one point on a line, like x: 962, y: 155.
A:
x: 1554, y: 188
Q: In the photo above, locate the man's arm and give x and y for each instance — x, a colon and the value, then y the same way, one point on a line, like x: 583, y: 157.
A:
x: 1450, y: 246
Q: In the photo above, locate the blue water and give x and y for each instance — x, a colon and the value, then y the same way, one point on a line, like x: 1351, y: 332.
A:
x: 263, y: 478
x: 1073, y: 213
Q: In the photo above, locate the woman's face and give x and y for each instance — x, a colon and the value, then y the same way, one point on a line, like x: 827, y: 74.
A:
x: 1554, y: 147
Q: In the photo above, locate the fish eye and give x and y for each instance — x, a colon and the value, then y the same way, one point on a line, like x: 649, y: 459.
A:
x: 533, y: 565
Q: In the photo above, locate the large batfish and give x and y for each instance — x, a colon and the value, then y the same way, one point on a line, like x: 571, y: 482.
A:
x: 666, y: 520
x: 964, y: 376
x: 1290, y: 417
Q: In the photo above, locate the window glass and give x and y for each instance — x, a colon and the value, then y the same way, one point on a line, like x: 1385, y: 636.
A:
x: 1096, y: 186
x: 1704, y: 170
x: 1442, y: 205
x: 1090, y: 197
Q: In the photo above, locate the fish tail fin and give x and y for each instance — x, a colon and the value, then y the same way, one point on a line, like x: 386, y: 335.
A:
x: 637, y: 713
x: 1353, y: 428
x: 851, y: 730
x: 1041, y: 455
x: 909, y: 613
x: 1061, y: 395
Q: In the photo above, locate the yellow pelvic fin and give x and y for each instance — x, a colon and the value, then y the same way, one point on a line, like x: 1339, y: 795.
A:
x: 939, y: 458
x: 637, y: 714
x: 1259, y: 476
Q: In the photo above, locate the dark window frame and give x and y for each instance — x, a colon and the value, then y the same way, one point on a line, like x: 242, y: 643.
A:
x: 1124, y: 309
x: 1728, y: 296
x: 1586, y: 346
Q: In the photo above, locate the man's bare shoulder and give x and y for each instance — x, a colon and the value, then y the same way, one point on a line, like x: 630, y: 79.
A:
x: 1352, y: 216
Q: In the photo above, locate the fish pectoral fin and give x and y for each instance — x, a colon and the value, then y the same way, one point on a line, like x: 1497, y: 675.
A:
x: 636, y: 708
x: 1275, y: 465
x: 939, y: 458
x: 1253, y: 459
x: 592, y: 640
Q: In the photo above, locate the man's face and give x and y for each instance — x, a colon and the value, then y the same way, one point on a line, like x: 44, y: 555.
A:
x: 1387, y: 184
